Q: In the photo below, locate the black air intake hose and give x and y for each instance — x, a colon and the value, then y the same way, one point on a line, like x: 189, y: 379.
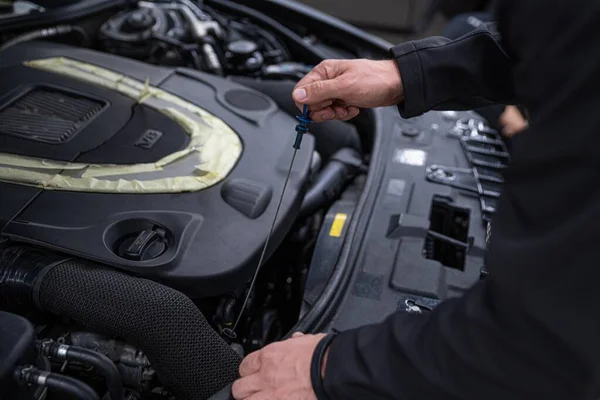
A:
x: 189, y: 357
x: 331, y: 180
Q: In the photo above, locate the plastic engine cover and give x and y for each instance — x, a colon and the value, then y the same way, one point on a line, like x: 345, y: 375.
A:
x: 172, y: 174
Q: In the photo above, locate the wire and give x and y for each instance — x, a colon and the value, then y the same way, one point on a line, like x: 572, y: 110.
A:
x: 301, y: 129
x: 264, y: 251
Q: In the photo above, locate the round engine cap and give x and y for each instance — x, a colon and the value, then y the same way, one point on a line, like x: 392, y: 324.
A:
x: 242, y: 48
x: 140, y: 20
x: 145, y: 245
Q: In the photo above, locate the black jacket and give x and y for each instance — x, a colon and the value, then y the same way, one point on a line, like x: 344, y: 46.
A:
x: 531, y: 330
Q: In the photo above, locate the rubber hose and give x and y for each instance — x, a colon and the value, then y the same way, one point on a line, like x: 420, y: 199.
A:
x: 187, y: 354
x: 189, y: 357
x: 331, y: 181
x: 45, y: 33
x: 103, y: 365
x: 327, y: 186
x: 65, y: 385
x: 69, y: 386
x: 19, y: 268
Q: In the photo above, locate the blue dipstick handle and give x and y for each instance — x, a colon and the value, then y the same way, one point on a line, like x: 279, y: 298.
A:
x: 302, y: 127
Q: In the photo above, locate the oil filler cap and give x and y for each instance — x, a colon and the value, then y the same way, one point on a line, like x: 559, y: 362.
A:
x: 146, y: 245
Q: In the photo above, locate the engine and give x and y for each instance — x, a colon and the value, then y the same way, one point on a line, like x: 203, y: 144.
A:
x: 144, y: 149
x: 160, y: 33
x: 143, y: 153
x: 156, y: 182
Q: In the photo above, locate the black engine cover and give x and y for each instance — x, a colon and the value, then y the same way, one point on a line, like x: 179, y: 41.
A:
x: 203, y: 242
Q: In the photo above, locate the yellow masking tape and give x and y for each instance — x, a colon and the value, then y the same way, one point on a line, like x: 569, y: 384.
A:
x: 38, y: 163
x: 214, y: 147
x: 59, y: 182
x: 338, y: 225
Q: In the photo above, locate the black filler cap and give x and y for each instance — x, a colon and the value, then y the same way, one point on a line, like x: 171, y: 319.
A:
x: 146, y: 245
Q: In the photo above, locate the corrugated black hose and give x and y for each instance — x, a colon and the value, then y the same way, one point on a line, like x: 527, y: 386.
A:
x: 190, y: 358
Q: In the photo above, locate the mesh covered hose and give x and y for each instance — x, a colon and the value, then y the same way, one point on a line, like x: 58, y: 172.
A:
x: 188, y: 355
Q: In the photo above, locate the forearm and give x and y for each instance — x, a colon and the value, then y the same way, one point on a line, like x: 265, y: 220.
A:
x: 442, y: 74
x: 530, y: 330
x: 466, y: 349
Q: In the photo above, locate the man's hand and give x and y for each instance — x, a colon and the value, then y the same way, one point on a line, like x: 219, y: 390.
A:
x: 335, y: 89
x: 279, y: 371
x: 512, y: 121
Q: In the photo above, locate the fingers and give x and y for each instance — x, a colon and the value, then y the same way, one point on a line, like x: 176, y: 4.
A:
x: 327, y: 69
x: 324, y: 115
x: 512, y: 121
x: 325, y: 91
x: 336, y: 112
x: 299, y: 94
x: 245, y: 387
x: 320, y: 106
x: 352, y: 113
x: 297, y: 335
x: 251, y: 364
x: 320, y: 85
x: 262, y: 396
x: 340, y: 112
x: 320, y: 91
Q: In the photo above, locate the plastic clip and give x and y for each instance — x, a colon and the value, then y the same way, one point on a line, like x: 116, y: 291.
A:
x: 302, y: 127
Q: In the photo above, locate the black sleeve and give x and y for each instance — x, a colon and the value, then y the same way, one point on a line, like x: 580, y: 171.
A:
x: 531, y: 330
x: 443, y: 74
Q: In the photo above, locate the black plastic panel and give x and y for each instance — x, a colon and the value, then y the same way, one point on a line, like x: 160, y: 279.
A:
x: 328, y: 248
x: 129, y: 146
x: 207, y: 245
x: 13, y: 198
x: 413, y: 275
x: 393, y: 272
x: 17, y: 348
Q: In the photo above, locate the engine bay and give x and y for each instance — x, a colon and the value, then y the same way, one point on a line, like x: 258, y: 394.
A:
x: 173, y: 187
x: 143, y: 149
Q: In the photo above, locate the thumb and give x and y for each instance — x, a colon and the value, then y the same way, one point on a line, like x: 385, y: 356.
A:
x: 320, y: 91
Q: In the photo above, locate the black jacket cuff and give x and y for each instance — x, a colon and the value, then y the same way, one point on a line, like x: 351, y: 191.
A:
x: 411, y: 72
x: 316, y: 366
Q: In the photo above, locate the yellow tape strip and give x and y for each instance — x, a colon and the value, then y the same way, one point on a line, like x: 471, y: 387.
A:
x: 214, y: 146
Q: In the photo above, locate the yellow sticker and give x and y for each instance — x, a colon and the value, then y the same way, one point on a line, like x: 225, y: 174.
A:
x: 338, y: 225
